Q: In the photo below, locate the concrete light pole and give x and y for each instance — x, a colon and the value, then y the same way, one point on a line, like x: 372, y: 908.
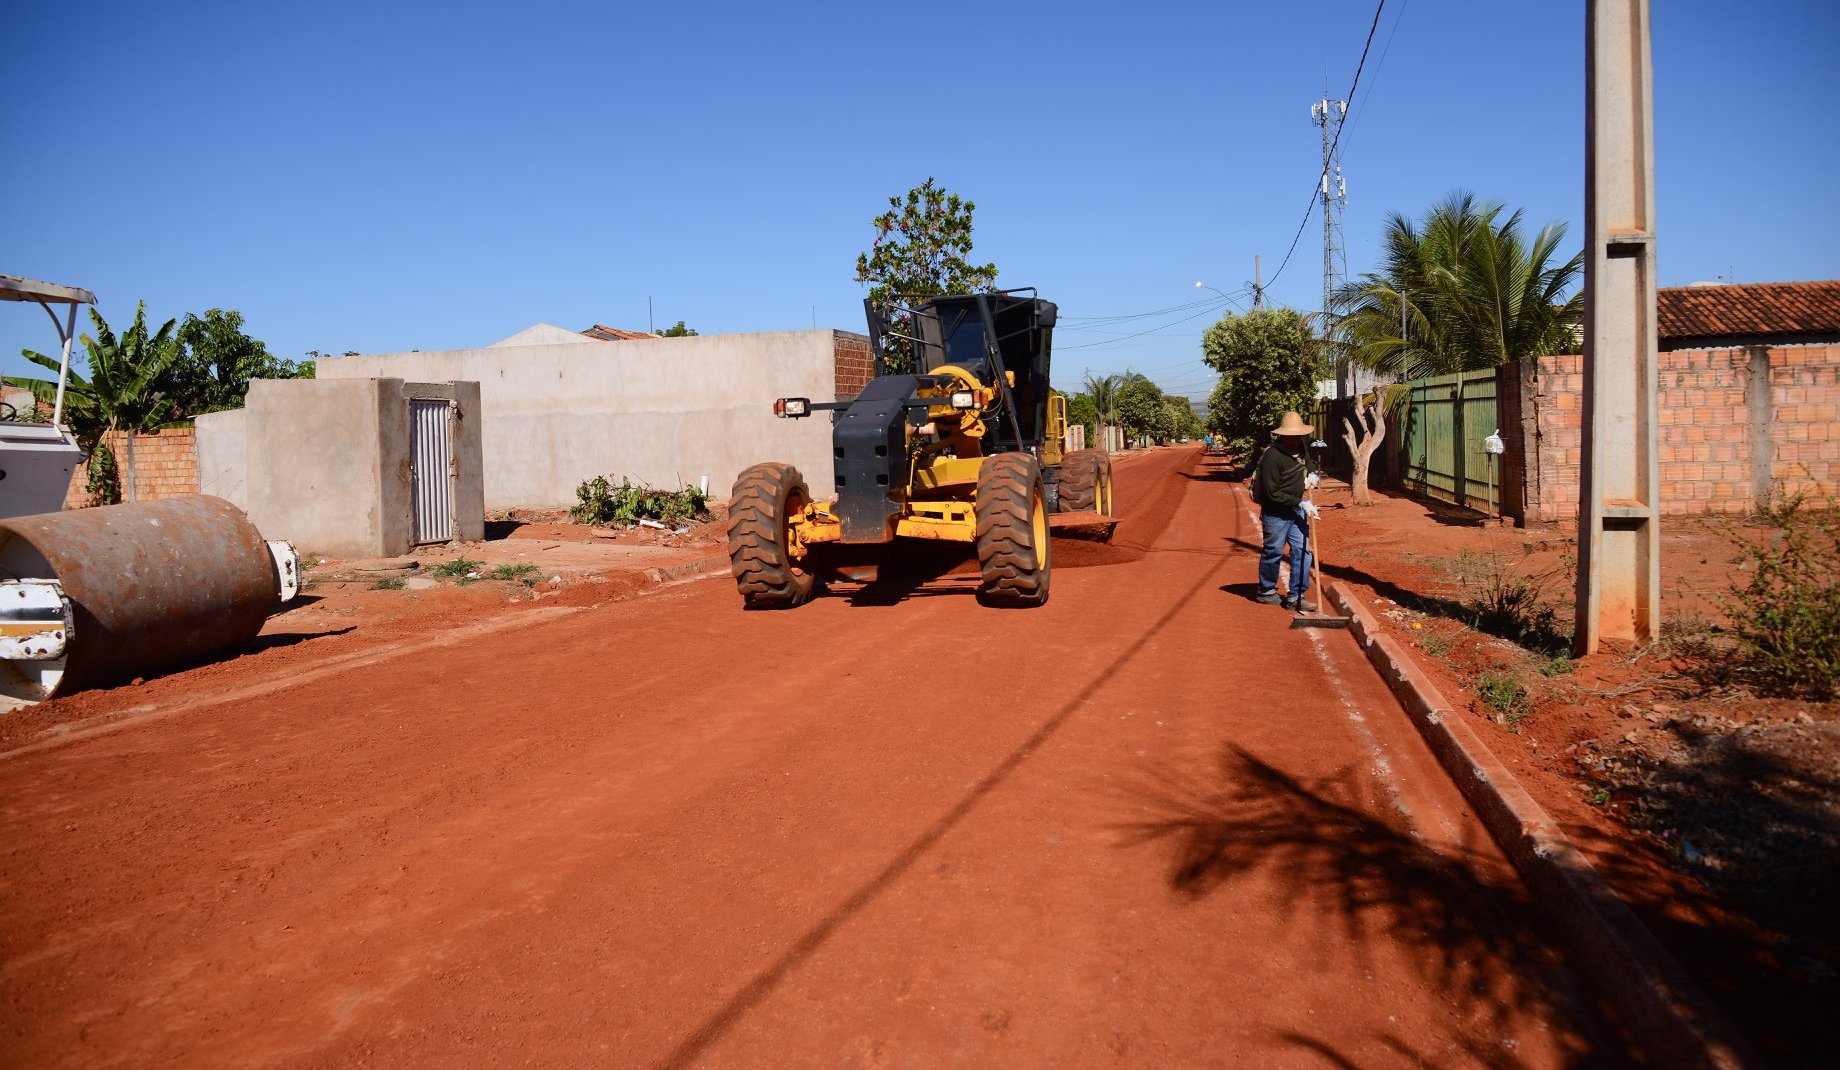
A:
x: 1619, y: 523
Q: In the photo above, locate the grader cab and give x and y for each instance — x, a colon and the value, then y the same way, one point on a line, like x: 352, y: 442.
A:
x: 968, y: 447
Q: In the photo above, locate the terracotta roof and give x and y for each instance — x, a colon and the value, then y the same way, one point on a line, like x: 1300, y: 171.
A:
x: 1780, y: 310
x: 614, y: 334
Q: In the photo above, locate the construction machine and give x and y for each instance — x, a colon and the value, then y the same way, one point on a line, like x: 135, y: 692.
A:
x: 968, y: 446
x: 92, y: 596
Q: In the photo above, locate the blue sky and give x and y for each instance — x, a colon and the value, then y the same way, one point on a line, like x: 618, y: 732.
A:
x: 386, y: 176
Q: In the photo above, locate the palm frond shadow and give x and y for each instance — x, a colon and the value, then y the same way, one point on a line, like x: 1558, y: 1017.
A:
x: 1466, y: 921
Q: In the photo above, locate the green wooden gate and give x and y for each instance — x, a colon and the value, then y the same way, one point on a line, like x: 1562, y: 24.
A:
x: 1441, y: 447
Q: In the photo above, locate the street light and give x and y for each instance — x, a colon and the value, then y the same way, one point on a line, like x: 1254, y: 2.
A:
x: 1199, y: 285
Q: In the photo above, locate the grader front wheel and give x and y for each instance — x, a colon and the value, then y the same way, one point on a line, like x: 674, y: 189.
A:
x: 1012, y: 531
x: 762, y: 548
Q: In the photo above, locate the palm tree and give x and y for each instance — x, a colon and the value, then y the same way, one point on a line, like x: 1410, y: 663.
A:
x: 121, y: 393
x: 1455, y: 292
x: 1103, y: 389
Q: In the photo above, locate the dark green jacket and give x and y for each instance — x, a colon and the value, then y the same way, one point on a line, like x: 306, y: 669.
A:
x: 1281, y: 479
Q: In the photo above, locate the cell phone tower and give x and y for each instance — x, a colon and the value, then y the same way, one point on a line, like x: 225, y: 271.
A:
x: 1333, y: 189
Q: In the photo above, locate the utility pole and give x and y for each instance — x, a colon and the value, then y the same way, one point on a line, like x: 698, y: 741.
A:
x: 1258, y: 284
x: 1619, y: 522
x: 1329, y: 115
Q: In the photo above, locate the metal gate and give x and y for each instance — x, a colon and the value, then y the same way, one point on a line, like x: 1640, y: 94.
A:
x: 431, y: 469
x: 1441, y: 448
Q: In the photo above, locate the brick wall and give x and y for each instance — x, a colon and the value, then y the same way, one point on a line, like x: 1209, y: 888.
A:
x: 165, y: 466
x: 1735, y: 424
x: 1805, y: 432
x: 854, y: 364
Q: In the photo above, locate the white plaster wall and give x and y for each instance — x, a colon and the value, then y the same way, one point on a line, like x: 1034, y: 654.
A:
x: 223, y: 456
x: 316, y: 454
x: 666, y: 412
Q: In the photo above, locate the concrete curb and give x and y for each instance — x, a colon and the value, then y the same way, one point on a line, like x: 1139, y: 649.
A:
x: 1661, y: 1007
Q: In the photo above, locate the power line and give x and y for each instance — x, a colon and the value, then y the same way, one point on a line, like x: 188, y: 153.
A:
x: 1311, y: 207
x: 1088, y: 321
x: 1379, y: 66
x: 1212, y: 306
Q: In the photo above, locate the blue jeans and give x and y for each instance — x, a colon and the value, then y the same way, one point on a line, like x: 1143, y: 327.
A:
x: 1285, y: 528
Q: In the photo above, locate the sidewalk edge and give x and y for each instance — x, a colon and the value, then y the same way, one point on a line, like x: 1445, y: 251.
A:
x: 1659, y: 1004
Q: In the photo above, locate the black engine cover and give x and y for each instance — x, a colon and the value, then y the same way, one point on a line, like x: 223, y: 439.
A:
x: 869, y: 450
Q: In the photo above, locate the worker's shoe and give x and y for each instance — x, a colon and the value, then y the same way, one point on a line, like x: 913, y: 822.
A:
x: 1270, y: 598
x: 1300, y: 604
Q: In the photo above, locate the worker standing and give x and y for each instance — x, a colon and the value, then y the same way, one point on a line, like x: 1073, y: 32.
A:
x: 1282, y: 483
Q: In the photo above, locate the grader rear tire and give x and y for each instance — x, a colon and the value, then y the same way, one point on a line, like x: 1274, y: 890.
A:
x: 1013, y: 546
x: 1086, y: 482
x: 766, y: 571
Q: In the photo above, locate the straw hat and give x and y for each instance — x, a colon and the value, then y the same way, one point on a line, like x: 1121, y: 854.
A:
x: 1293, y: 425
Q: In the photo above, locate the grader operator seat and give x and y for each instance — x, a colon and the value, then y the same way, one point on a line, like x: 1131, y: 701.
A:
x: 954, y: 330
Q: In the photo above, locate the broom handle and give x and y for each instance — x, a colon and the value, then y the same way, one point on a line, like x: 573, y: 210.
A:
x: 1316, y: 560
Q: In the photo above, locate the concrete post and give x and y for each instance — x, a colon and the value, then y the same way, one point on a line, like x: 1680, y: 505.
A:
x: 1619, y: 537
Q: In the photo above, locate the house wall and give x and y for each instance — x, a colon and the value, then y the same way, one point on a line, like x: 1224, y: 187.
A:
x: 316, y: 466
x: 223, y: 456
x: 165, y: 466
x: 665, y: 411
x: 1736, y: 424
x: 854, y: 365
x: 326, y: 462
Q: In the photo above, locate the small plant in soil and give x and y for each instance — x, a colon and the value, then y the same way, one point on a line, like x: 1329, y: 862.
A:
x: 1560, y: 665
x: 1787, y: 615
x: 514, y: 573
x: 1600, y: 797
x: 462, y: 570
x: 1504, y: 599
x: 1504, y: 695
x: 1515, y: 609
x: 603, y: 502
x: 1435, y: 645
x: 389, y: 583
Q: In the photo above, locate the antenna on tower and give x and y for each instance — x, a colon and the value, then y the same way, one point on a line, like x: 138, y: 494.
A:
x: 1329, y: 114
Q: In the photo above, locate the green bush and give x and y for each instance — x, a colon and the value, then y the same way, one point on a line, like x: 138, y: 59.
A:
x: 604, y: 503
x: 1787, y: 616
x: 1504, y: 598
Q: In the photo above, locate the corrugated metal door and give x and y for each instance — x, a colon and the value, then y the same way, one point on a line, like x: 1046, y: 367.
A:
x: 431, y: 469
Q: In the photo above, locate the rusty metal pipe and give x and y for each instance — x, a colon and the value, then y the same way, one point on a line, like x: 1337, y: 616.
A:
x: 152, y: 585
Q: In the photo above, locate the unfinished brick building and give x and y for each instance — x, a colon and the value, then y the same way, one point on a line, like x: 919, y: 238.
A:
x: 1749, y: 398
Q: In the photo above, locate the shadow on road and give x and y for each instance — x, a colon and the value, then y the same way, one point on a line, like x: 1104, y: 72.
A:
x: 1464, y: 920
x: 693, y: 1046
x: 283, y: 639
x: 1752, y: 815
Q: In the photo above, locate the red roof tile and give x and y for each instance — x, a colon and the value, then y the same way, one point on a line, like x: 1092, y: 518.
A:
x: 1761, y: 308
x: 614, y: 334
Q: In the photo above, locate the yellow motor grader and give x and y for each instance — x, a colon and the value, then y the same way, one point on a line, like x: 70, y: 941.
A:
x: 968, y: 447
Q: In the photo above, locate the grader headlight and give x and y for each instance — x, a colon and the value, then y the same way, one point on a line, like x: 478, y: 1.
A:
x: 964, y: 400
x: 792, y: 408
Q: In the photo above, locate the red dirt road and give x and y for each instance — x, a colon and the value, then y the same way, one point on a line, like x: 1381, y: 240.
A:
x: 1147, y: 825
